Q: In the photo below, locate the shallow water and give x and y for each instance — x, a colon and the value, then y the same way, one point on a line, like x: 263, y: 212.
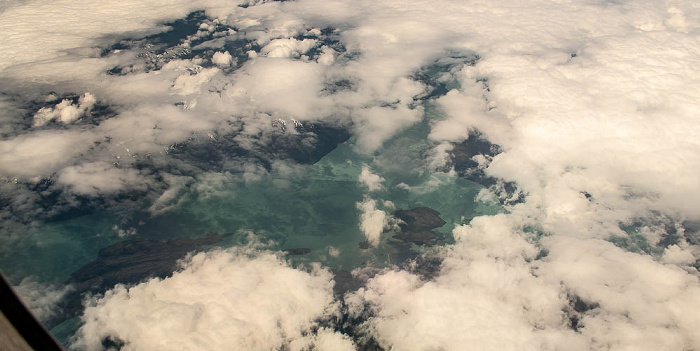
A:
x: 303, y: 206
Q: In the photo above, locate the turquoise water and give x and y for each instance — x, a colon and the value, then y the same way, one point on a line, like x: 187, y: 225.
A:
x: 311, y: 206
x: 305, y: 206
x: 315, y: 206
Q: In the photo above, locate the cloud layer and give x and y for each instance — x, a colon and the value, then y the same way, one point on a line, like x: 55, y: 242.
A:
x: 253, y: 300
x: 592, y: 104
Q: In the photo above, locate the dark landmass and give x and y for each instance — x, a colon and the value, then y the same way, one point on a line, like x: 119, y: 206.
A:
x: 418, y: 224
x: 577, y: 307
x: 308, y: 145
x: 420, y: 218
x: 433, y: 75
x: 298, y: 251
x: 418, y: 237
x: 462, y: 154
x: 127, y: 262
x: 303, y: 144
x: 364, y: 245
x: 461, y: 160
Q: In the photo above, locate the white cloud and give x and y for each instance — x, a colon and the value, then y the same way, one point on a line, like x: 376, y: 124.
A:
x: 222, y: 59
x: 372, y: 220
x: 289, y: 88
x: 99, y: 178
x: 65, y: 111
x: 57, y: 27
x: 152, y: 128
x: 675, y: 254
x: 289, y: 47
x: 597, y: 121
x: 189, y: 84
x: 485, y: 298
x: 377, y: 124
x: 371, y: 181
x: 643, y: 303
x: 253, y: 300
x: 324, y: 340
x: 42, y: 153
x: 327, y: 57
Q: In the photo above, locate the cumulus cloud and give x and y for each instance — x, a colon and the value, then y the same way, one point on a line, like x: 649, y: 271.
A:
x: 188, y: 83
x: 65, y: 111
x: 486, y: 297
x: 98, y: 178
x: 596, y: 121
x: 42, y: 153
x: 372, y: 220
x: 288, y: 47
x: 642, y: 302
x: 371, y: 181
x: 253, y: 300
x: 275, y: 85
x: 222, y: 59
x: 78, y: 26
x: 327, y: 57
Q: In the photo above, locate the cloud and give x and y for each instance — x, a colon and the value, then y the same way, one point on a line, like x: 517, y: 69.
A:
x: 100, y: 178
x: 279, y: 86
x: 376, y: 125
x: 41, y: 299
x: 642, y: 302
x: 241, y: 297
x: 151, y: 129
x: 372, y: 220
x: 42, y: 153
x: 371, y: 181
x: 54, y: 30
x: 172, y: 195
x: 597, y: 122
x: 222, y: 59
x: 288, y: 47
x: 486, y: 297
x: 189, y: 84
x: 65, y: 111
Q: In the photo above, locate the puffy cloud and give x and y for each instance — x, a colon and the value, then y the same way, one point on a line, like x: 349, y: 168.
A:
x: 324, y: 340
x: 372, y: 220
x: 678, y: 255
x: 371, y: 181
x: 151, y: 129
x: 65, y: 111
x: 253, y: 300
x: 327, y: 57
x: 289, y: 47
x: 642, y: 302
x: 377, y: 124
x: 486, y: 297
x: 279, y: 86
x: 100, y: 178
x: 42, y: 153
x: 596, y: 121
x: 222, y: 59
x: 189, y: 84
